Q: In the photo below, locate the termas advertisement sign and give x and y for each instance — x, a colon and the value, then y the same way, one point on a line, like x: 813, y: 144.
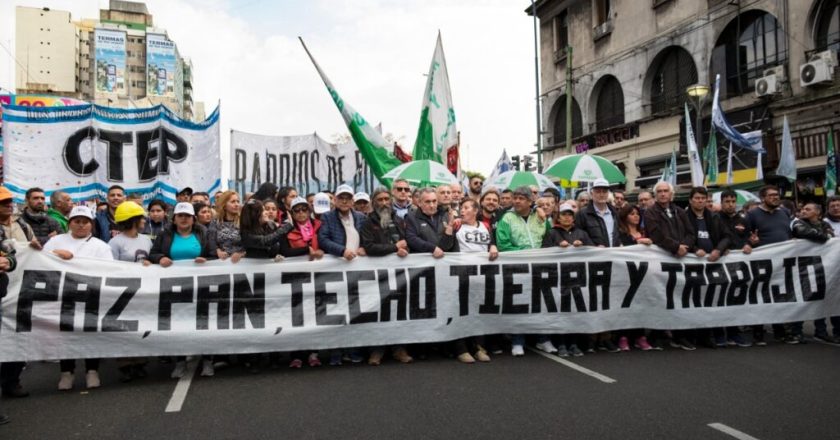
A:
x: 161, y: 62
x: 110, y: 61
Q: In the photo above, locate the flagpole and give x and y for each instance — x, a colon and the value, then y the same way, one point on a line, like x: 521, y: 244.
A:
x: 537, y: 86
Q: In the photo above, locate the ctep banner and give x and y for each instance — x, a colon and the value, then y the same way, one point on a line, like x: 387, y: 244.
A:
x: 84, y: 149
x: 306, y: 162
x: 82, y: 308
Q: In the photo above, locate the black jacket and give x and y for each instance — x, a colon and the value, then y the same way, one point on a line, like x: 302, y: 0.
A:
x: 589, y: 221
x: 42, y: 225
x: 669, y: 232
x: 266, y: 243
x: 379, y: 241
x: 739, y: 234
x: 819, y: 232
x: 718, y: 232
x: 557, y: 235
x: 7, y: 249
x: 424, y: 233
x: 163, y: 243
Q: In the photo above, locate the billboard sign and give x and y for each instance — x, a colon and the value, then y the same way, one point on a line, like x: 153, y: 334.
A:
x: 161, y: 62
x: 110, y: 61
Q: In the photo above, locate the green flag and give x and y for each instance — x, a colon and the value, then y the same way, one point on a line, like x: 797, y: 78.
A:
x: 711, y: 159
x: 830, y: 166
x: 437, y: 133
x: 374, y: 148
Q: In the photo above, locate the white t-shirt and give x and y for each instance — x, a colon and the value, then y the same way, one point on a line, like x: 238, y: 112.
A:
x: 473, y: 238
x: 125, y: 248
x: 90, y: 247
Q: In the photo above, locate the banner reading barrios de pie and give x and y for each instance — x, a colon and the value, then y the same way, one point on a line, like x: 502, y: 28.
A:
x: 82, y: 308
x: 84, y: 149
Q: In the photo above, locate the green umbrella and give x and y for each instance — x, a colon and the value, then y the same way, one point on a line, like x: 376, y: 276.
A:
x: 741, y: 197
x: 422, y: 173
x: 584, y: 168
x: 515, y: 179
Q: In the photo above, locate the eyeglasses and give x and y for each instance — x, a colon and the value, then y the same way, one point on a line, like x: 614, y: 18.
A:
x: 300, y: 209
x: 402, y: 188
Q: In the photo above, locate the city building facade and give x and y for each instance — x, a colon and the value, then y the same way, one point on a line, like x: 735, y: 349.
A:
x: 118, y: 60
x: 634, y: 63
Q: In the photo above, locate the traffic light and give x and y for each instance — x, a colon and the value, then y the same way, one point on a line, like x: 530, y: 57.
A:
x: 514, y: 160
x: 528, y: 164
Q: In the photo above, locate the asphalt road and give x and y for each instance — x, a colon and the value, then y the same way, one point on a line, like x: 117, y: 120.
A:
x: 773, y: 392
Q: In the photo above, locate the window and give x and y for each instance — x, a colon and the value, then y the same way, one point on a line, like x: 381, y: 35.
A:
x: 673, y: 72
x: 750, y: 44
x: 609, y: 108
x: 828, y: 27
x: 602, y: 10
x: 561, y: 31
x: 559, y: 138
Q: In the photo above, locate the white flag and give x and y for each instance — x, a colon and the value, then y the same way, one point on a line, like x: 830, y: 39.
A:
x: 759, y: 169
x: 787, y: 161
x: 437, y: 132
x: 693, y: 154
x: 729, y: 176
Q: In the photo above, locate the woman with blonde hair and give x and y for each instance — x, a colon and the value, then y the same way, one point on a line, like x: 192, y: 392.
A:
x: 227, y: 237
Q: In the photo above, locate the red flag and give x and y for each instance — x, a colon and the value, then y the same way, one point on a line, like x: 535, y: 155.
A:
x: 452, y: 159
x: 401, y: 154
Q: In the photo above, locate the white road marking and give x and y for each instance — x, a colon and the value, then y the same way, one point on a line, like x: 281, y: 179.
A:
x: 823, y: 342
x: 183, y: 386
x: 574, y: 366
x: 731, y: 431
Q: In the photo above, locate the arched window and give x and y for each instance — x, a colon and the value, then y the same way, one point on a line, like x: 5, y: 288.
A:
x: 750, y: 44
x: 559, y: 139
x: 674, y: 72
x: 609, y: 108
x: 828, y: 27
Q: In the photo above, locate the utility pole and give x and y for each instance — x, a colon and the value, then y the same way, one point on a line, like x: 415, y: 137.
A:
x: 537, y: 86
x: 569, y: 91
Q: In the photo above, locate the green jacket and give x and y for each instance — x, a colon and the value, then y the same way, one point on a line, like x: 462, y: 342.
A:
x: 59, y: 217
x: 513, y: 233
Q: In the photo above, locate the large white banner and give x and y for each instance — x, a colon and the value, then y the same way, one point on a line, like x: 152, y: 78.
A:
x: 85, y: 149
x: 306, y: 162
x: 83, y: 308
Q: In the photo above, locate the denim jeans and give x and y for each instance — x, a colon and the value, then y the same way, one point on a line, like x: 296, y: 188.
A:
x: 520, y: 339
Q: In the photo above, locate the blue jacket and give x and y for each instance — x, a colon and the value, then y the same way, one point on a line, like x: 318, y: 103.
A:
x: 331, y: 236
x: 103, y: 225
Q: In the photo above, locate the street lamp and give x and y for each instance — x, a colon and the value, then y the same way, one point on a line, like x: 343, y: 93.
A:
x: 698, y: 92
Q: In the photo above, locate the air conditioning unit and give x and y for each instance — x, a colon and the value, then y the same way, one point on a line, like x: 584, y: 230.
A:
x: 771, y: 82
x: 819, y: 69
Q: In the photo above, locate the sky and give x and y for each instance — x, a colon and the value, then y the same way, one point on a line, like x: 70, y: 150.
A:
x: 247, y: 57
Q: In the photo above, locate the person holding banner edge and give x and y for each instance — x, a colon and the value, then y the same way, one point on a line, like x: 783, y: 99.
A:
x: 79, y: 242
x: 10, y: 370
x: 227, y: 239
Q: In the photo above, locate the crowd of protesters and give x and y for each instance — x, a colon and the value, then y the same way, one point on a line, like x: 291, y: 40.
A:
x: 277, y: 223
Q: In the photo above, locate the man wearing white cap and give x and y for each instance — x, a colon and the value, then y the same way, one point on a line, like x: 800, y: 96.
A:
x: 361, y: 203
x: 339, y: 233
x: 79, y: 242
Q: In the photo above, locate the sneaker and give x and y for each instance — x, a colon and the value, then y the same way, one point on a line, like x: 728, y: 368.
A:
x: 608, y: 346
x: 466, y: 358
x: 828, y: 339
x: 590, y: 349
x: 481, y: 355
x: 642, y: 344
x: 740, y: 341
x: 517, y: 350
x: 66, y: 381
x: 656, y: 345
x: 4, y: 419
x: 793, y: 340
x: 623, y: 344
x: 401, y: 355
x: 575, y: 351
x: 720, y: 342
x: 313, y: 360
x: 335, y: 359
x: 296, y: 363
x: 356, y: 357
x: 758, y: 340
x: 547, y: 347
x: 207, y: 369
x: 179, y: 370
x: 684, y: 344
x: 92, y: 379
x: 562, y: 351
x: 375, y: 357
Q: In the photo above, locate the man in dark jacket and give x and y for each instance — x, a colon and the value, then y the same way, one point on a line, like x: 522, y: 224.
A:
x: 429, y: 229
x: 34, y: 214
x: 599, y: 219
x: 105, y: 225
x: 383, y: 233
x: 735, y: 223
x: 670, y: 228
x: 810, y: 227
x: 339, y: 233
